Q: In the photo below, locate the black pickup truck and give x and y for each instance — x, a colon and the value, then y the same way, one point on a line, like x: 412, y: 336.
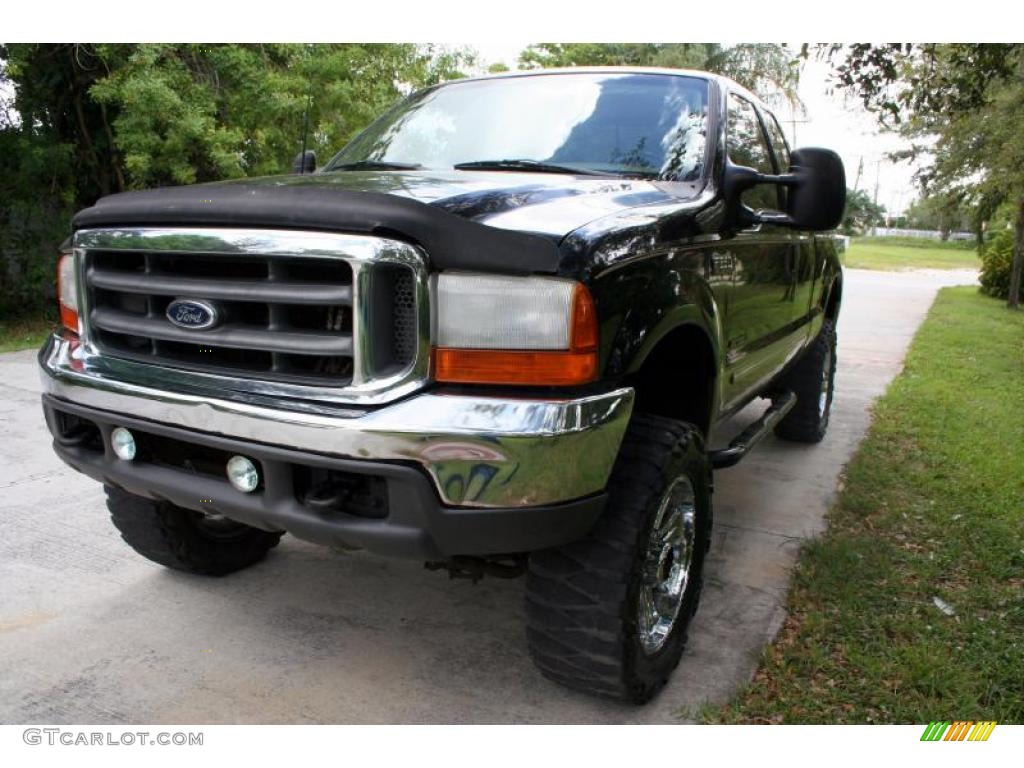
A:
x: 493, y: 333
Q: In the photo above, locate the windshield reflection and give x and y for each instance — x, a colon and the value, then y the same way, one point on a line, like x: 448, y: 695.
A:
x: 629, y: 124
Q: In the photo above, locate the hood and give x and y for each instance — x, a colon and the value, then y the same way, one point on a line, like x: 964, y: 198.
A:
x: 552, y: 205
x: 491, y: 221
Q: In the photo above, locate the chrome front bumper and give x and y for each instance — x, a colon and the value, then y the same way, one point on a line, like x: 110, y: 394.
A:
x: 478, y: 451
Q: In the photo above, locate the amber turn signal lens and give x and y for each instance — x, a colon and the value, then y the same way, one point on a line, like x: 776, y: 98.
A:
x: 491, y: 366
x: 584, y: 321
x: 69, y: 319
x: 577, y: 365
x: 67, y: 292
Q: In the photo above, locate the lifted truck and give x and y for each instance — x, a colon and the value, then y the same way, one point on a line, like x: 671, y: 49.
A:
x: 493, y: 333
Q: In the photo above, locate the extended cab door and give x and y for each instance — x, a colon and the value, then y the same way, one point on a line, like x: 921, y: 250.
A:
x: 769, y: 294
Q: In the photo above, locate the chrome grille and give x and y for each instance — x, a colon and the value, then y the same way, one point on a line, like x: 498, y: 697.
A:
x: 310, y: 309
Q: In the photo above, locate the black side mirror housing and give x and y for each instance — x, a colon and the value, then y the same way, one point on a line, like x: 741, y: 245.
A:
x: 818, y: 198
x: 817, y: 191
x: 305, y: 162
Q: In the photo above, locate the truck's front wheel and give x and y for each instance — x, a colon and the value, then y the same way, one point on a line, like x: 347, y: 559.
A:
x: 185, y: 540
x: 608, y: 614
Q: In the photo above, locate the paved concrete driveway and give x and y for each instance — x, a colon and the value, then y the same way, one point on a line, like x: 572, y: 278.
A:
x: 91, y: 633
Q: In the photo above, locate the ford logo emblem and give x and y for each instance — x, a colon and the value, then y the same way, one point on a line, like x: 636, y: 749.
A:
x: 194, y: 314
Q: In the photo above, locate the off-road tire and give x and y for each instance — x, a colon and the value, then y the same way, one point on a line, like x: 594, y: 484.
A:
x: 179, y: 538
x: 807, y: 422
x: 582, y: 598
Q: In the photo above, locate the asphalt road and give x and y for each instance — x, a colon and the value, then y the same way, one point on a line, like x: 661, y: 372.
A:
x: 91, y: 633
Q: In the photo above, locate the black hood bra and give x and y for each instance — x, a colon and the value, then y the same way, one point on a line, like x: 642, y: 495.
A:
x: 452, y: 241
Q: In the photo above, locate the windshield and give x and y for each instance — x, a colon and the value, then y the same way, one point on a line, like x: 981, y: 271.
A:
x: 621, y: 124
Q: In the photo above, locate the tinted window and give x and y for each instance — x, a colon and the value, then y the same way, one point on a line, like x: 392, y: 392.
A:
x: 636, y: 124
x: 779, y: 146
x: 781, y: 151
x: 748, y: 146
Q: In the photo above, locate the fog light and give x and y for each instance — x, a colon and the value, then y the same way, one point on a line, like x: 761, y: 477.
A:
x: 123, y: 443
x: 243, y: 474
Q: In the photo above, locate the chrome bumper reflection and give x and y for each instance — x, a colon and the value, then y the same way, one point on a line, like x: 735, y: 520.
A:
x: 479, y: 451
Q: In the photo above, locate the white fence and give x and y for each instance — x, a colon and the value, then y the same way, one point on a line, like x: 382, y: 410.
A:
x: 926, y: 234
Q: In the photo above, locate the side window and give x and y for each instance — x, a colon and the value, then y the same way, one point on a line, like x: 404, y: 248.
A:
x: 748, y: 146
x: 779, y: 147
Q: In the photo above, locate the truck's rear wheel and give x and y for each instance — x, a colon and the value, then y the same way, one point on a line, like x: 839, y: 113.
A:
x: 185, y: 540
x: 812, y: 379
x: 609, y: 614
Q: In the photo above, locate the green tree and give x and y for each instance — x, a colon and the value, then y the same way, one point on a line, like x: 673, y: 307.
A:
x: 963, y: 105
x: 155, y: 113
x: 549, y: 55
x: 36, y: 190
x: 88, y: 120
x: 996, y: 261
x: 943, y: 213
x: 769, y: 69
x: 861, y: 212
x: 51, y: 86
x: 189, y: 113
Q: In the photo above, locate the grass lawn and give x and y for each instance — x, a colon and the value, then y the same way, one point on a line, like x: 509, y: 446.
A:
x: 23, y: 334
x: 878, y: 253
x: 911, y: 607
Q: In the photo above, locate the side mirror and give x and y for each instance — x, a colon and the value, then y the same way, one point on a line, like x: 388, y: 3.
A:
x: 305, y: 162
x: 818, y: 198
x: 817, y: 191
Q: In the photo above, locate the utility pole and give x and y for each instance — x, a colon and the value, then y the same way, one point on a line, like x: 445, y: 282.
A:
x: 860, y: 170
x: 899, y: 203
x: 878, y: 171
x: 792, y: 128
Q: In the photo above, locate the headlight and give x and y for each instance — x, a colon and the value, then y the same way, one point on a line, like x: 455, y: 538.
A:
x: 67, y: 291
x: 514, y: 330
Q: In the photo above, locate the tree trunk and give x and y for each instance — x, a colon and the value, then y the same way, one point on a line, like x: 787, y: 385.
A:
x: 1018, y: 258
x: 99, y: 172
x: 115, y: 162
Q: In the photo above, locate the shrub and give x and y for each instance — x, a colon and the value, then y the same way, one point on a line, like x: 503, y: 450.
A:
x: 996, y: 258
x: 35, y: 189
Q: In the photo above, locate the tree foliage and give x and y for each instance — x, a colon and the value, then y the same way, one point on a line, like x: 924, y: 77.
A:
x: 36, y: 183
x: 770, y: 70
x: 943, y: 213
x: 189, y: 113
x: 962, y: 104
x: 87, y: 120
x: 155, y: 113
x: 861, y: 212
x: 996, y: 264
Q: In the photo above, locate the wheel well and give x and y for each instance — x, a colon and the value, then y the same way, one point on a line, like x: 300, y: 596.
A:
x: 677, y: 378
x: 835, y: 298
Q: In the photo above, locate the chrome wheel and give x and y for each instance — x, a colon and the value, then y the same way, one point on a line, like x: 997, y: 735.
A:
x: 666, y: 570
x: 826, y: 385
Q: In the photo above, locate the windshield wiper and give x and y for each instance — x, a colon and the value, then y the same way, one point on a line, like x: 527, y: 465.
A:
x: 375, y: 165
x: 526, y: 165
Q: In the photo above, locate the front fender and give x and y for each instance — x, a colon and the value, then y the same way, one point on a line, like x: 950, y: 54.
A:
x: 642, y: 301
